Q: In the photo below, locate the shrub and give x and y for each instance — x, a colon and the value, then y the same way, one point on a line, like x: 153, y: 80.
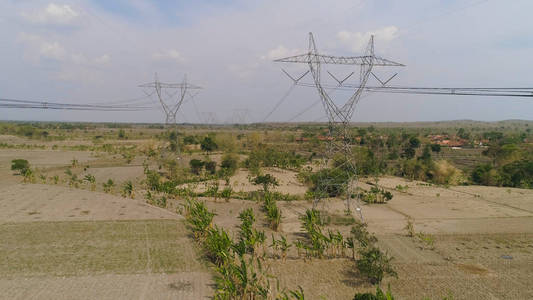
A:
x: 208, y: 144
x: 153, y: 180
x: 380, y: 295
x: 196, y: 166
x: 210, y: 167
x: 20, y: 165
x: 374, y: 264
x: 229, y: 164
x: 127, y: 189
x: 108, y: 185
x: 270, y: 157
x: 445, y: 173
x: 376, y: 195
x: 329, y: 182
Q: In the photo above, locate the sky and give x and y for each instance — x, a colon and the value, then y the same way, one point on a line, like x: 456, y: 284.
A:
x: 100, y: 51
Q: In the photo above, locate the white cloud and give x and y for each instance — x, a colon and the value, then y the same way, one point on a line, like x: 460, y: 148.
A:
x: 37, y: 48
x: 358, y: 40
x: 53, y: 14
x: 169, y: 54
x: 243, y: 71
x: 280, y: 52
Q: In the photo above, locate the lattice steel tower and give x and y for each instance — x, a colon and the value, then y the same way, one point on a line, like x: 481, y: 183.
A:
x: 171, y: 102
x: 340, y: 145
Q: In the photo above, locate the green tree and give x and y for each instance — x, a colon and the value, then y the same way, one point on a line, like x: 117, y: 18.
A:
x: 266, y: 181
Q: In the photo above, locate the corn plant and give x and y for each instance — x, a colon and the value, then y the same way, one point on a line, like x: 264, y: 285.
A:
x: 199, y: 218
x: 218, y: 246
x: 273, y: 212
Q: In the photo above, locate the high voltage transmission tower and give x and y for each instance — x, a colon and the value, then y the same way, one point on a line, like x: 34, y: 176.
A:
x: 339, y: 152
x: 171, y: 102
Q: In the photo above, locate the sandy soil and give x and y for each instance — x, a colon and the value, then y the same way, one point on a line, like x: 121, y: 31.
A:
x: 43, y: 158
x: 186, y: 285
x: 36, y: 202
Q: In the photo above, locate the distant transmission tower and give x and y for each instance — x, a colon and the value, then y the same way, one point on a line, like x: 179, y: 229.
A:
x: 339, y: 153
x: 171, y: 101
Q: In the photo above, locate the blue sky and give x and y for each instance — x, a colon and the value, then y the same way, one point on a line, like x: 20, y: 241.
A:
x: 86, y: 51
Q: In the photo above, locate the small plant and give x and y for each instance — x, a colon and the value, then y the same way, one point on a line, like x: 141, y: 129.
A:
x: 55, y: 179
x: 212, y: 190
x: 108, y: 185
x: 74, y: 162
x: 28, y: 174
x: 409, y: 227
x: 127, y: 189
x: 91, y: 180
x: 226, y: 193
x: 427, y: 239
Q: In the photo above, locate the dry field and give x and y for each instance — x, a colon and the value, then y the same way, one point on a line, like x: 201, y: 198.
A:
x: 61, y: 242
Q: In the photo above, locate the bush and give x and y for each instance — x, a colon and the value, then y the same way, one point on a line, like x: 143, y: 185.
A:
x: 374, y: 264
x: 270, y: 157
x: 196, y: 166
x: 229, y: 164
x: 210, y: 167
x: 445, y: 173
x: 380, y: 295
x: 329, y: 182
x: 20, y: 165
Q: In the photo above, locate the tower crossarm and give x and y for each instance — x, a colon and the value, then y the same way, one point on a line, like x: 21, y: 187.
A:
x: 340, y: 60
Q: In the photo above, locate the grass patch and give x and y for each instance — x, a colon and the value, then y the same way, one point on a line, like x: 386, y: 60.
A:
x: 340, y: 220
x: 86, y: 248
